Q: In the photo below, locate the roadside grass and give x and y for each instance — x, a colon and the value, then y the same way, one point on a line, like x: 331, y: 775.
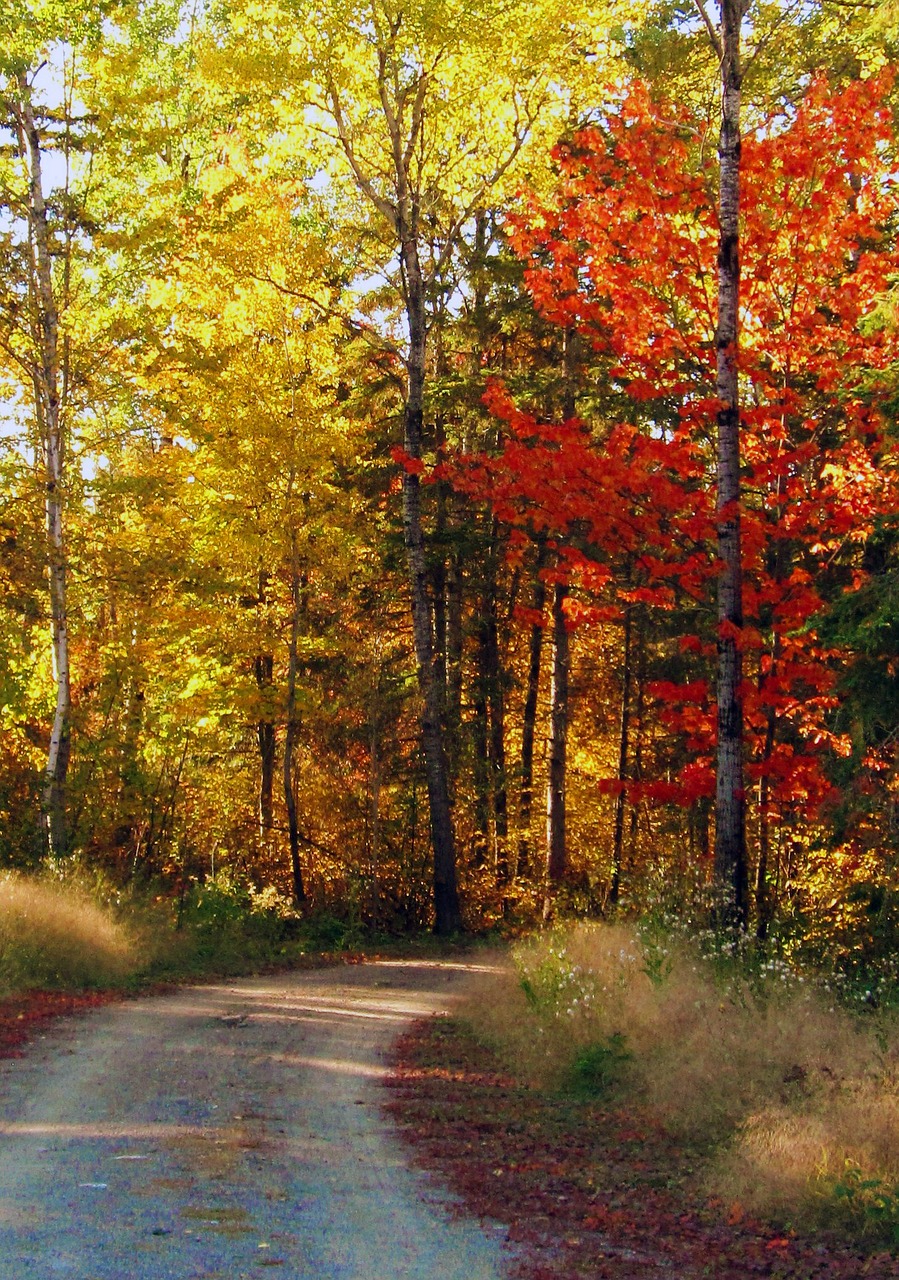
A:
x: 791, y: 1100
x: 59, y: 938
x: 587, y: 1188
x: 75, y: 930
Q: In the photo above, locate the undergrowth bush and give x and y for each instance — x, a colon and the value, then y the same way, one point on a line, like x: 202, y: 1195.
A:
x: 793, y: 1096
x: 55, y: 935
x: 224, y: 925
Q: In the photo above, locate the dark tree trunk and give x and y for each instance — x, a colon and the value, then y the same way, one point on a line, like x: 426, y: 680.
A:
x: 529, y: 717
x: 481, y: 747
x: 730, y: 805
x: 556, y: 849
x: 495, y: 681
x: 624, y: 726
x: 763, y: 904
x: 264, y: 667
x: 447, y: 914
x: 454, y: 644
x: 290, y: 738
x: 438, y: 586
x: 375, y: 816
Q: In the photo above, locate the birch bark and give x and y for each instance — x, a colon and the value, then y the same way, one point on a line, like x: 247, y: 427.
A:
x: 556, y: 849
x: 731, y: 873
x: 48, y: 382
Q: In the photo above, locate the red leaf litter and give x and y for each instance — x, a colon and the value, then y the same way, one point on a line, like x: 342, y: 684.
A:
x: 585, y: 1190
x: 24, y: 1016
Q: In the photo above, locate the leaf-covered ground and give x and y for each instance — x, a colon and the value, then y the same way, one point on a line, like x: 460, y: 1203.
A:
x: 586, y: 1190
x: 23, y: 1016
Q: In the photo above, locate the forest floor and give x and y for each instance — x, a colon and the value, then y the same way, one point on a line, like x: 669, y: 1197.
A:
x: 574, y: 1189
x: 585, y: 1189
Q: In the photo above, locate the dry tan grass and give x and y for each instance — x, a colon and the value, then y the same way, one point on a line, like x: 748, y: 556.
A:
x: 787, y: 1162
x: 792, y: 1087
x: 55, y: 936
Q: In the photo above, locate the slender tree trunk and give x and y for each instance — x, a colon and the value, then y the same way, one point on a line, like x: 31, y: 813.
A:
x: 497, y: 713
x: 556, y: 849
x: 639, y: 706
x: 454, y: 646
x: 264, y: 666
x: 730, y: 820
x: 438, y: 590
x: 762, y: 893
x: 481, y: 745
x: 290, y: 738
x: 623, y: 760
x: 48, y: 379
x: 264, y: 671
x: 375, y: 815
x: 167, y: 822
x: 402, y: 212
x: 764, y: 898
x: 529, y: 716
x: 447, y: 914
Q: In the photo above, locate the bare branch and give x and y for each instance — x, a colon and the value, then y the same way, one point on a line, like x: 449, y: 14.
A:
x: 364, y: 182
x: 520, y: 130
x: 710, y: 27
x: 357, y: 328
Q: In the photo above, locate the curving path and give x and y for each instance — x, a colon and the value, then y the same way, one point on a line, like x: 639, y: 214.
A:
x: 230, y: 1131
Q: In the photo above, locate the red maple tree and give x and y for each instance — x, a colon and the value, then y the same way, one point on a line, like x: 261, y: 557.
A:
x: 624, y: 252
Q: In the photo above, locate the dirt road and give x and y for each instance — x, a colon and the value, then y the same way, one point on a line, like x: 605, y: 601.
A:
x: 228, y: 1131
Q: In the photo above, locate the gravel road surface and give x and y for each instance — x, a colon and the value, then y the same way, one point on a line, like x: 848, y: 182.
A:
x: 228, y: 1131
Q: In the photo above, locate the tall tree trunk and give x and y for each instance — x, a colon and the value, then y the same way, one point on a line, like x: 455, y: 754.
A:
x: 730, y: 805
x: 556, y: 849
x: 438, y: 589
x: 375, y: 811
x: 48, y: 379
x: 403, y: 214
x: 264, y: 671
x: 639, y: 707
x: 264, y: 666
x: 624, y: 725
x: 529, y: 716
x: 481, y: 745
x: 297, y: 586
x: 778, y: 566
x: 454, y: 647
x: 447, y: 914
x: 763, y: 903
x: 497, y: 711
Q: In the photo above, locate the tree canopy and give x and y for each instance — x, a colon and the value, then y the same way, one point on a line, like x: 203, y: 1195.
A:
x: 420, y: 418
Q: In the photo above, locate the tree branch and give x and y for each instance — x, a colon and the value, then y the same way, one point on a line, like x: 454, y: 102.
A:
x: 710, y: 28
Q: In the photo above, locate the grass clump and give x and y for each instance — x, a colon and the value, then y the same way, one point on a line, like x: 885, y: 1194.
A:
x: 597, y: 1069
x: 793, y: 1098
x: 56, y: 936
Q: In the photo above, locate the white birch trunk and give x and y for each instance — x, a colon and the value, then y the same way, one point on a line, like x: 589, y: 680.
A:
x: 730, y: 819
x: 48, y: 399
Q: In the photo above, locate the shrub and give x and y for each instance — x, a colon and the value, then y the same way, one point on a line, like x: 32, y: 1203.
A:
x: 224, y: 925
